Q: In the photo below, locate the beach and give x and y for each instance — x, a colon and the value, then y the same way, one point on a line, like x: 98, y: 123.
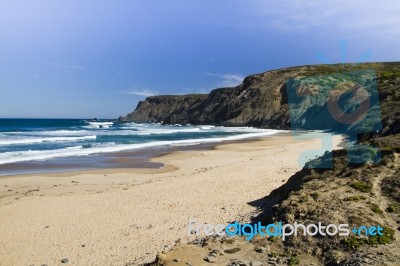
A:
x: 126, y: 216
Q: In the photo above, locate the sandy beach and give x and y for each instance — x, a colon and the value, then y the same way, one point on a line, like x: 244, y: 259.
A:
x: 126, y: 216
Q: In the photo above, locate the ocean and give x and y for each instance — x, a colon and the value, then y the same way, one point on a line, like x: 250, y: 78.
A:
x: 42, y: 145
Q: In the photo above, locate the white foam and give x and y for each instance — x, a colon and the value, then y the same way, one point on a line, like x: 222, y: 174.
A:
x: 154, y: 129
x: 206, y: 127
x: 24, y: 140
x: 163, y: 131
x: 100, y: 124
x: 53, y: 133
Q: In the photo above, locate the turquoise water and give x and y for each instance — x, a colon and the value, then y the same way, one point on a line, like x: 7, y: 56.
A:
x: 49, y: 140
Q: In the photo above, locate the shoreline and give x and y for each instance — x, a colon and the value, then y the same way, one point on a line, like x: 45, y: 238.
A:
x: 125, y: 216
x: 125, y: 159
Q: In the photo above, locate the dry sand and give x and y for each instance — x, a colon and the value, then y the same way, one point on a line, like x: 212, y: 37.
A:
x: 122, y: 216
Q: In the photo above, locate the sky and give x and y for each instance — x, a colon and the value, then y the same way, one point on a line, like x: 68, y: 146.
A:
x: 97, y: 58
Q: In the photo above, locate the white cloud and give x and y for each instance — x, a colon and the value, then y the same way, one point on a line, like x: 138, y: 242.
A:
x: 227, y: 80
x: 141, y: 92
x: 200, y: 90
x: 220, y: 80
x: 58, y: 65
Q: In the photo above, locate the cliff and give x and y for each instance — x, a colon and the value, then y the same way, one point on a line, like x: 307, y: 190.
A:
x: 169, y: 109
x: 259, y: 101
x: 294, y: 97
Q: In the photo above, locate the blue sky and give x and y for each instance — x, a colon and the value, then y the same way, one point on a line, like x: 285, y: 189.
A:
x: 94, y: 58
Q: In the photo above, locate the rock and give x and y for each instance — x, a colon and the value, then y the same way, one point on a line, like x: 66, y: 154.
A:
x: 83, y: 245
x: 366, y: 260
x: 189, y: 263
x: 272, y: 263
x: 316, y: 251
x: 64, y: 260
x: 210, y: 259
x: 135, y: 226
x: 262, y: 249
x: 177, y: 260
x: 239, y: 263
x: 167, y: 109
x: 256, y: 263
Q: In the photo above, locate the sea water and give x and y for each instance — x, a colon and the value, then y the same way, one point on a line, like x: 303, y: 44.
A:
x: 51, y: 140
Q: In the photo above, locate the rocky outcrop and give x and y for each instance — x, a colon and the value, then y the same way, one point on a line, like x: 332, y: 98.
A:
x: 296, y: 97
x: 169, y: 109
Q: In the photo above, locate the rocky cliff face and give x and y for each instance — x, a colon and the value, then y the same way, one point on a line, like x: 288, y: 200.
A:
x: 259, y: 101
x: 167, y: 109
x: 296, y: 96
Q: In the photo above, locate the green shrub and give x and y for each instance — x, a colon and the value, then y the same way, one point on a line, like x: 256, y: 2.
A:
x: 393, y: 207
x: 230, y: 241
x: 273, y: 255
x: 303, y: 198
x: 386, y: 238
x: 389, y: 75
x: 272, y: 239
x: 315, y: 195
x: 375, y: 208
x: 361, y: 186
x: 294, y: 261
x: 232, y: 250
x: 355, y: 198
x: 352, y: 242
